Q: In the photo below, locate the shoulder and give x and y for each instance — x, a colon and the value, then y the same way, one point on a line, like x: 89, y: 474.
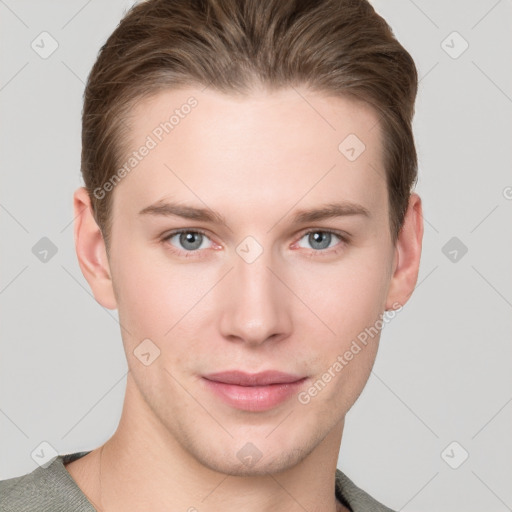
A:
x: 356, y: 498
x: 23, y: 492
x: 49, y: 489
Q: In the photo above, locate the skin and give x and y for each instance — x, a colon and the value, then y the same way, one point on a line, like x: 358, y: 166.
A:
x: 256, y: 160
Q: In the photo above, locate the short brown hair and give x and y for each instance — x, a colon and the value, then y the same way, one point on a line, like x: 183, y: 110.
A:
x: 340, y: 47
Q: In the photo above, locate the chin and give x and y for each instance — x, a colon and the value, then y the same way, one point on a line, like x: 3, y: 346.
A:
x: 254, y: 455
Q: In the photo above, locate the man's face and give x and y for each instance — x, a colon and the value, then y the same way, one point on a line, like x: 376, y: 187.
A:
x: 262, y: 291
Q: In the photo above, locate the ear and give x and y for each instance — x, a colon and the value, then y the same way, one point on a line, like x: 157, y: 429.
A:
x: 407, y: 255
x: 91, y: 250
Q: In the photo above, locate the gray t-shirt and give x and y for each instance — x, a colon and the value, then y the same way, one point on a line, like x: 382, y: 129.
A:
x: 52, y: 489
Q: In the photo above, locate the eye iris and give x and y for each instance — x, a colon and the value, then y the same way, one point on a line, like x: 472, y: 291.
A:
x: 320, y: 237
x: 191, y: 237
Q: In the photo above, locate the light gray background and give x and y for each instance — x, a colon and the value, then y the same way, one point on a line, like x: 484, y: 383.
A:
x: 443, y: 369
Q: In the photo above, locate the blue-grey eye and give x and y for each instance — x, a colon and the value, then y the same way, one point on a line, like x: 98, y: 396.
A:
x: 189, y: 240
x: 320, y: 240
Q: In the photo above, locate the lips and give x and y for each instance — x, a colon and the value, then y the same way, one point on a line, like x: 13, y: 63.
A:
x: 253, y: 392
x: 266, y: 378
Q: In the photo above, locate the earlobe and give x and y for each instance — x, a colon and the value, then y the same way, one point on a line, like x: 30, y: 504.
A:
x: 91, y: 251
x: 407, y: 256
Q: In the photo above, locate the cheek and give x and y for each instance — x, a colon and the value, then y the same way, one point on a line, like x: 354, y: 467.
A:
x: 149, y: 295
x: 346, y: 297
x: 159, y: 299
x: 349, y: 300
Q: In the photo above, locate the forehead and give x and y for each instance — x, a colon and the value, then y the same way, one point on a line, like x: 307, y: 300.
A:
x: 261, y: 113
x: 280, y: 145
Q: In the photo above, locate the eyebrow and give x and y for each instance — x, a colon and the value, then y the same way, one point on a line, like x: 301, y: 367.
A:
x: 325, y: 211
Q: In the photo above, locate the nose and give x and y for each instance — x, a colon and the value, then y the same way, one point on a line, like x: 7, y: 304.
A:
x: 256, y: 304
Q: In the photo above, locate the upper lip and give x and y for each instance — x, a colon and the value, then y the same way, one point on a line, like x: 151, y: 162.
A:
x: 253, y: 379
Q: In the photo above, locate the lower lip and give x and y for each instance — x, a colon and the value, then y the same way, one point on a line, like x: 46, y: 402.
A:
x: 254, y: 398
